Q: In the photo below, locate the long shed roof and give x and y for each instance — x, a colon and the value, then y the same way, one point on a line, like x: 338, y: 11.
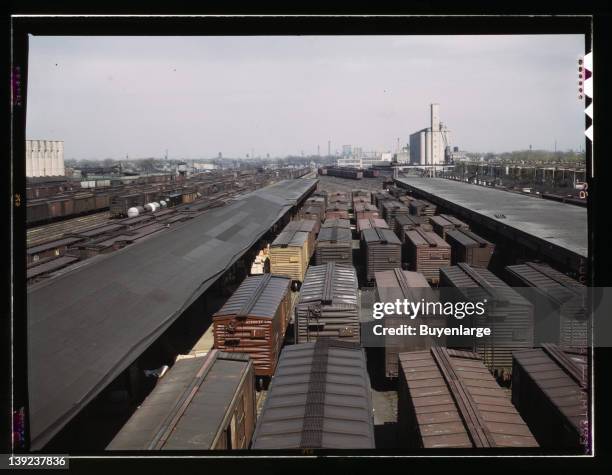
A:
x: 558, y: 224
x: 86, y: 326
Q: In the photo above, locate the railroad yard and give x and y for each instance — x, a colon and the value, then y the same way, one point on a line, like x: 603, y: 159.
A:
x: 215, y: 353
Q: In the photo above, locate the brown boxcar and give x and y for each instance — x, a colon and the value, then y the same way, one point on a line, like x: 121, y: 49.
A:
x: 422, y: 208
x: 410, y: 222
x: 69, y: 206
x: 360, y: 197
x: 328, y: 305
x: 317, y: 202
x: 382, y: 250
x: 312, y: 212
x: 37, y: 211
x: 338, y: 205
x: 290, y: 254
x: 396, y: 192
x: 310, y: 226
x: 202, y: 403
x: 366, y: 210
x: 469, y: 247
x: 337, y: 212
x: 56, y: 208
x: 361, y: 200
x: 445, y: 222
x: 84, y: 203
x: 254, y: 320
x: 550, y: 391
x: 368, y: 223
x: 448, y: 399
x: 406, y: 199
x: 320, y: 194
x: 395, y: 284
x: 508, y: 314
x: 426, y: 252
x: 555, y: 294
x: 334, y: 245
x: 393, y: 209
x: 379, y: 198
x: 337, y: 223
x: 320, y: 398
x: 102, y: 201
x: 337, y: 196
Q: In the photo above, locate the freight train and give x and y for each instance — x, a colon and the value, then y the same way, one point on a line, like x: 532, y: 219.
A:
x: 342, y: 172
x: 62, y: 200
x: 50, y: 186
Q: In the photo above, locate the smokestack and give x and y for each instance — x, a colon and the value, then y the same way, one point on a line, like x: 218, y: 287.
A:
x: 433, y: 141
x: 435, y: 117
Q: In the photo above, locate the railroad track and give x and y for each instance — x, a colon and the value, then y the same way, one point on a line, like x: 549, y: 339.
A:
x: 53, y: 231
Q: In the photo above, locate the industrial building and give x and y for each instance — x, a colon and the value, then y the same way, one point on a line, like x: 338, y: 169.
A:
x: 427, y: 145
x: 364, y: 161
x: 45, y: 158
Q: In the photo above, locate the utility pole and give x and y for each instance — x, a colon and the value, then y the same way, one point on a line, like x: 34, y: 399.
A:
x: 329, y: 148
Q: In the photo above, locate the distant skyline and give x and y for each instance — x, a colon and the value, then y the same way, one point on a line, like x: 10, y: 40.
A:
x: 198, y: 96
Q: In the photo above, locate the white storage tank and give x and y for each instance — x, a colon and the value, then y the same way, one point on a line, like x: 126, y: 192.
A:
x: 132, y: 212
x: 152, y: 207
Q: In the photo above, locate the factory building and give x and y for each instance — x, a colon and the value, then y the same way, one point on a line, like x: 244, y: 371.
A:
x: 366, y: 161
x: 45, y: 158
x: 352, y: 162
x: 427, y: 145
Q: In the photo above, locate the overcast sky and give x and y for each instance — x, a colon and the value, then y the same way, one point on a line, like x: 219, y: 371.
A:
x: 198, y: 96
